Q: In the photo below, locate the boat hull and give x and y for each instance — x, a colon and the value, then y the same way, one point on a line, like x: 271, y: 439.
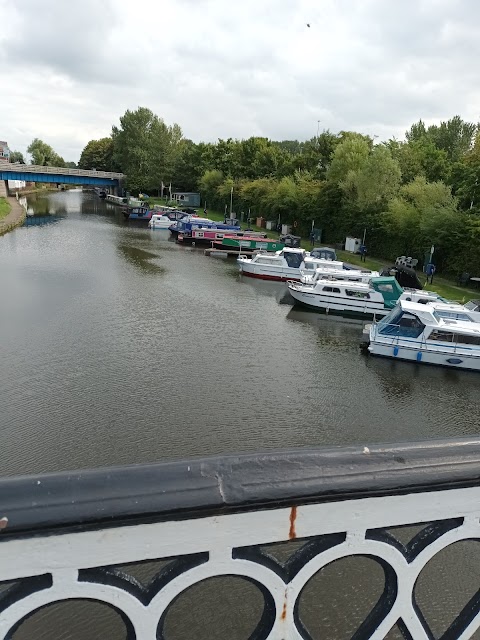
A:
x: 343, y: 306
x: 278, y: 273
x: 415, y: 353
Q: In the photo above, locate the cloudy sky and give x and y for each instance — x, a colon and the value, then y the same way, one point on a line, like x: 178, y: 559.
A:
x: 225, y: 68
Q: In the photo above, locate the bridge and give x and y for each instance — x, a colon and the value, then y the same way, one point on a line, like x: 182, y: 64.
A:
x: 85, y: 536
x: 60, y: 175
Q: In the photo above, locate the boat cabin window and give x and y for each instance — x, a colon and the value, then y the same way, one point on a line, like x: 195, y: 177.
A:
x: 451, y: 315
x: 467, y: 339
x: 331, y: 289
x: 266, y: 260
x: 294, y: 260
x: 357, y: 294
x: 388, y: 288
x: 449, y: 336
x: 400, y: 323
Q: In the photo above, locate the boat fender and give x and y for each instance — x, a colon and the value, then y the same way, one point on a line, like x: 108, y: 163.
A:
x: 454, y: 360
x: 419, y: 356
x: 395, y: 351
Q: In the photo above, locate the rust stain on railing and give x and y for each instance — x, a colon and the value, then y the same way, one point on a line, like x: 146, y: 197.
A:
x: 292, y: 534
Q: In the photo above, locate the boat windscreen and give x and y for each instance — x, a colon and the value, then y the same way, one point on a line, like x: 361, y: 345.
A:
x: 389, y: 288
x: 294, y: 260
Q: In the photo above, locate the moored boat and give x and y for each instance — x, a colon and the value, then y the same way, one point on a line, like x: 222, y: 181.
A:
x: 424, y: 333
x: 140, y: 213
x: 201, y: 230
x: 375, y: 298
x: 286, y: 264
x: 123, y: 201
x: 165, y: 218
x: 248, y: 241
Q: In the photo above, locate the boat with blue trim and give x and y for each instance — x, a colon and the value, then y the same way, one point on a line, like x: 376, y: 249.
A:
x: 447, y: 335
x: 201, y: 230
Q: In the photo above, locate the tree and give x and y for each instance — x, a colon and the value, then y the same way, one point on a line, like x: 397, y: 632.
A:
x: 144, y: 149
x: 97, y: 154
x: 424, y: 213
x: 209, y: 183
x: 17, y: 156
x: 378, y: 180
x: 348, y: 158
x: 43, y: 154
x: 420, y: 157
x: 455, y: 136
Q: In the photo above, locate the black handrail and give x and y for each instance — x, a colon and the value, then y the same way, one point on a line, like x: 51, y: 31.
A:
x: 172, y: 490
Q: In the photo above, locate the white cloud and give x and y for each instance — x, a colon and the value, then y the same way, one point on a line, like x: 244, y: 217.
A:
x: 68, y: 70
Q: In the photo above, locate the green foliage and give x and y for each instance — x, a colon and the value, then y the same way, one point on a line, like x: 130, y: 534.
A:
x: 4, y: 208
x: 348, y: 159
x: 97, y: 154
x: 17, y: 156
x: 455, y: 136
x: 43, y: 154
x: 145, y: 149
x: 399, y: 192
x: 378, y: 179
x: 423, y: 213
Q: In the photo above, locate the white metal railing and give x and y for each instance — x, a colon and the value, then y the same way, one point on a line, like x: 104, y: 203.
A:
x: 74, y: 564
x: 65, y: 171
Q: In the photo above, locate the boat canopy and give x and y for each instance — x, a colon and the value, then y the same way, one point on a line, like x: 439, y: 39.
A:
x: 389, y: 288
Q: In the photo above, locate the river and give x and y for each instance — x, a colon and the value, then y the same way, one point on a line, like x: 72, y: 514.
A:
x: 119, y: 346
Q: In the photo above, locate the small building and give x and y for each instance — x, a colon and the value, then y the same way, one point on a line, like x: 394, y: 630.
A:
x: 4, y: 152
x: 352, y: 244
x: 186, y: 198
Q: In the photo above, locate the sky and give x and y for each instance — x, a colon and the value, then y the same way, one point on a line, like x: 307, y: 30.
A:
x: 222, y: 68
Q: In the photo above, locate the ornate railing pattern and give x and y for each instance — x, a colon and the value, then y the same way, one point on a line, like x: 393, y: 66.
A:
x: 64, y: 534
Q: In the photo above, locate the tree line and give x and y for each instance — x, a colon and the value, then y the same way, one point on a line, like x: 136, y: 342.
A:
x: 407, y: 195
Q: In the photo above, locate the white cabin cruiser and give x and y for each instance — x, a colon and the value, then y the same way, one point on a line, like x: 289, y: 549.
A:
x: 425, y: 333
x: 375, y: 298
x: 287, y: 264
x: 159, y: 221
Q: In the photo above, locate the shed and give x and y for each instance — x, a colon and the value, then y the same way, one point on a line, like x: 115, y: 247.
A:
x: 187, y: 198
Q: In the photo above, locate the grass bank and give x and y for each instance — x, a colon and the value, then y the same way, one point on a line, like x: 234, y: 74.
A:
x: 443, y: 286
x: 4, y: 208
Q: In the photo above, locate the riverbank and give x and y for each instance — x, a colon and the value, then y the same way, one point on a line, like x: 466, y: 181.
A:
x: 14, y: 217
x: 4, y: 208
x: 443, y: 286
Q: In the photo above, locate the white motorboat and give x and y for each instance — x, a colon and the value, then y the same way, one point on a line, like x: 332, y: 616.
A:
x: 287, y: 264
x: 159, y: 221
x: 441, y: 334
x: 375, y: 298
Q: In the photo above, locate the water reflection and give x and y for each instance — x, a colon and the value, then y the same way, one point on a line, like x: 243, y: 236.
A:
x: 124, y: 347
x: 140, y: 258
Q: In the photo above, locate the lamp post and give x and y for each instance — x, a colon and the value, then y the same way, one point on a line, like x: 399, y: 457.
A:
x: 231, y: 200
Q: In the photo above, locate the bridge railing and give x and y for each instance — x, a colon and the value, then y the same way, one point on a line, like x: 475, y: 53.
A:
x: 65, y: 535
x: 33, y: 168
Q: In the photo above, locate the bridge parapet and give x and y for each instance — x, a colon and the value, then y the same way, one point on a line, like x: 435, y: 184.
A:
x: 33, y: 168
x: 70, y: 535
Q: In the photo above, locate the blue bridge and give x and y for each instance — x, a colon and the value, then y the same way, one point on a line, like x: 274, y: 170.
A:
x: 59, y: 175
